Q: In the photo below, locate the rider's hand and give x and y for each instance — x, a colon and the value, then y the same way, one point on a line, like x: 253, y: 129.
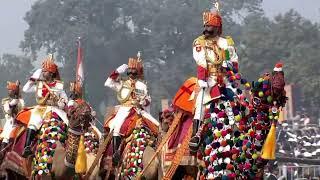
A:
x: 202, y: 84
x: 61, y: 103
x: 224, y: 64
x: 121, y: 69
x: 36, y: 75
x: 14, y: 102
x: 141, y: 102
x: 138, y: 111
x: 227, y: 64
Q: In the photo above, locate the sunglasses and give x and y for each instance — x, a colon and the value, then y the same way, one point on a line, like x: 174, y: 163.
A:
x: 132, y: 72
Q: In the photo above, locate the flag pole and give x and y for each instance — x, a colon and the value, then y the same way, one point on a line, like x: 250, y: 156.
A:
x: 79, y: 70
x: 78, y: 53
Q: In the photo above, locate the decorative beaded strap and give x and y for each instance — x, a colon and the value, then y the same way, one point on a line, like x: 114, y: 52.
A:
x: 75, y: 132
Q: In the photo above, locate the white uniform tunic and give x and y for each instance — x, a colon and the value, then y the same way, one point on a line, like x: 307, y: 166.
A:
x: 39, y: 111
x: 142, y: 96
x: 9, y: 124
x: 205, y: 55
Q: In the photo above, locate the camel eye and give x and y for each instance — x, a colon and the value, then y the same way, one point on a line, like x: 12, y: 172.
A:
x: 256, y: 101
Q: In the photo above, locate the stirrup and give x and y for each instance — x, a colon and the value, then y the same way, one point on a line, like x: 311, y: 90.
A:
x: 27, y: 152
x: 194, y: 146
x: 116, y: 158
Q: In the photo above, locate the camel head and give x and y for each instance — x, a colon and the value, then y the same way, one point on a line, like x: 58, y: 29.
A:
x: 80, y: 117
x: 166, y: 117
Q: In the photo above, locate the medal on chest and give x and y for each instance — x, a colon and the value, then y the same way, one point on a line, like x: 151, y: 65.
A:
x: 214, y: 54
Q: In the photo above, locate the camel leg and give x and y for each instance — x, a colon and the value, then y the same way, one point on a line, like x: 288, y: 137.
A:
x: 14, y: 176
x: 95, y: 173
x: 59, y: 168
x: 28, y: 166
x: 110, y: 176
x: 107, y: 175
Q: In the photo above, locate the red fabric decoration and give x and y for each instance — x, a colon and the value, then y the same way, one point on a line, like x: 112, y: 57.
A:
x: 45, y: 91
x: 215, y: 92
x: 114, y: 75
x: 202, y: 73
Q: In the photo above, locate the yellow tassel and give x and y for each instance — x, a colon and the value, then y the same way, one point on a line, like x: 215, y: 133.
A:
x: 230, y: 41
x: 81, y: 162
x: 281, y: 116
x: 269, y: 147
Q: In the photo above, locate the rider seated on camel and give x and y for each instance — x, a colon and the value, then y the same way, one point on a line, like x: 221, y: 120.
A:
x: 135, y: 101
x: 213, y: 54
x: 50, y: 96
x: 11, y: 106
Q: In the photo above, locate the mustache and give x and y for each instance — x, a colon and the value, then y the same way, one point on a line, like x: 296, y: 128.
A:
x: 208, y: 32
x: 214, y: 32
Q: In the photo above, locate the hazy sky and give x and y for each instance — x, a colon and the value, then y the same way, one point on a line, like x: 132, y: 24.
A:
x: 12, y: 12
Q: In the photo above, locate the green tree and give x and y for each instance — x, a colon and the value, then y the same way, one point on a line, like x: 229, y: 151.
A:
x: 115, y: 30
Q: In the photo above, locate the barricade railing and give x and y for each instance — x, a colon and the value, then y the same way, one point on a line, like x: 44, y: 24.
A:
x: 300, y: 172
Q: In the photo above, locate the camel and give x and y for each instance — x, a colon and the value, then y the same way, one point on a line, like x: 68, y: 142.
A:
x: 64, y: 157
x: 179, y: 121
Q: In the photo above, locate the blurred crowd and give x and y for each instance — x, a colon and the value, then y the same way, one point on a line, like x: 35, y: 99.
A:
x: 298, y: 138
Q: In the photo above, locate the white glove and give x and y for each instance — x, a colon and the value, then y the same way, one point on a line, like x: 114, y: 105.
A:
x: 142, y: 102
x: 121, y: 69
x: 36, y: 75
x: 7, y: 108
x: 71, y: 103
x: 93, y: 113
x: 14, y: 102
x: 224, y: 64
x: 202, y: 84
x: 61, y: 103
x: 138, y: 110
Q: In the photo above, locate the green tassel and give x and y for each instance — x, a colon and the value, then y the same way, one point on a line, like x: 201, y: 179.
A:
x: 227, y: 54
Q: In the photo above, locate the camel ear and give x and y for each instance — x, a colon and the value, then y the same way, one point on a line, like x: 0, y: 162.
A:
x: 160, y: 116
x: 18, y: 83
x: 72, y: 86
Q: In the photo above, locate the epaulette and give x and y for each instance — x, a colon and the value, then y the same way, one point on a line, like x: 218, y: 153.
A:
x: 230, y: 41
x: 199, y: 41
x: 4, y: 100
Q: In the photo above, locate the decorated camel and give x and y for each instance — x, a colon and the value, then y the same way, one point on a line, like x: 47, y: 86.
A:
x: 228, y: 142
x: 232, y: 136
x: 44, y: 128
x: 56, y: 148
x: 238, y: 136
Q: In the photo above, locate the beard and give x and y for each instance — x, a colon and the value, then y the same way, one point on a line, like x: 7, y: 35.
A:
x: 13, y: 94
x: 133, y: 77
x: 73, y: 96
x: 211, y: 32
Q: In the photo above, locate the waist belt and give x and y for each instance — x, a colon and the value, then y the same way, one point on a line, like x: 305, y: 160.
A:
x: 215, y: 70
